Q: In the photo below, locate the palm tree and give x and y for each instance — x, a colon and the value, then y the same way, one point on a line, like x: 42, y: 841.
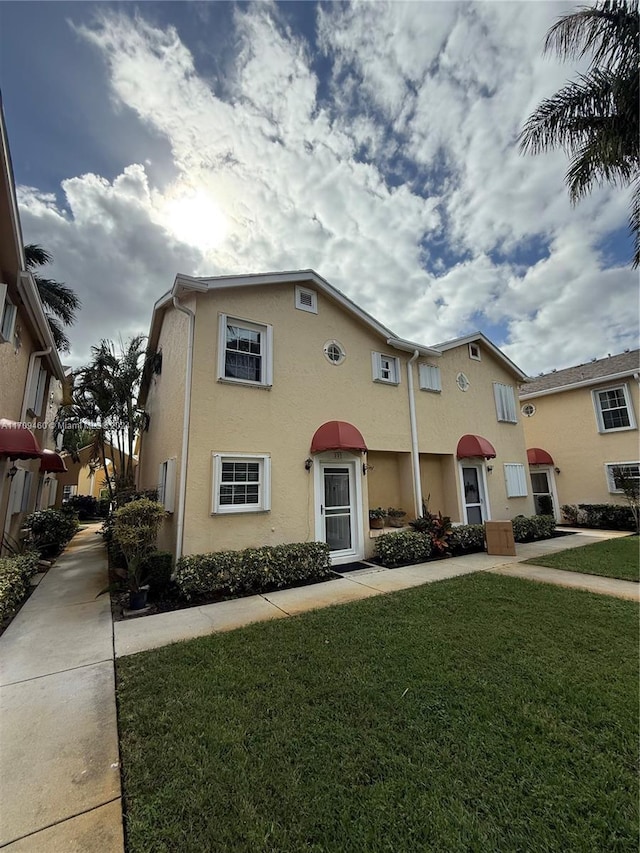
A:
x: 60, y: 303
x: 595, y: 118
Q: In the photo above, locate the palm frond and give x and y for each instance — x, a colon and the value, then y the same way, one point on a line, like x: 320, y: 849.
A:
x: 58, y: 299
x: 36, y: 256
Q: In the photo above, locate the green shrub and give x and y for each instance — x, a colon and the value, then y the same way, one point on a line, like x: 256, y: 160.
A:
x: 252, y: 570
x: 51, y: 529
x: 84, y: 505
x: 466, y: 539
x: 15, y: 574
x: 569, y: 513
x: 156, y: 571
x: 403, y: 548
x: 532, y: 528
x: 606, y: 516
x: 135, y: 530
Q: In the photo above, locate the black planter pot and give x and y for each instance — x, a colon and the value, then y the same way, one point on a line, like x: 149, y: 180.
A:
x: 138, y: 599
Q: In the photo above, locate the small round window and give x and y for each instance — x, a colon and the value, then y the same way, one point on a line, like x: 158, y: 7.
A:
x: 528, y: 410
x: 462, y: 382
x: 334, y: 352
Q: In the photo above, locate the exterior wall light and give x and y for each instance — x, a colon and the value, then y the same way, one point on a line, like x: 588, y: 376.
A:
x: 12, y: 472
x: 308, y: 463
x: 557, y: 470
x: 489, y: 468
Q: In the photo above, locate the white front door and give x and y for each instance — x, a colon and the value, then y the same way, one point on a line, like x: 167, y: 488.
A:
x: 543, y: 487
x: 338, y: 509
x: 476, y: 510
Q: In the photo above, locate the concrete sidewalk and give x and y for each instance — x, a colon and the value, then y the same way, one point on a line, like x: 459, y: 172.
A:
x: 573, y: 580
x: 59, y: 758
x: 150, y: 632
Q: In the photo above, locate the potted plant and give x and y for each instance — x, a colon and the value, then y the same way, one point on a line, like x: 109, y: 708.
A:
x: 376, y: 518
x: 135, y: 530
x: 396, y: 517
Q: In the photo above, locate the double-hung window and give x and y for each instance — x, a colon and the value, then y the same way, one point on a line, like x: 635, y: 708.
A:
x: 7, y: 315
x: 622, y: 474
x: 505, y: 403
x: 386, y: 368
x: 241, y: 483
x: 429, y: 377
x: 245, y: 351
x: 613, y: 409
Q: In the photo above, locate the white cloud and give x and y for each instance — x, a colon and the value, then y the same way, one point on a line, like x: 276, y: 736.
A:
x: 275, y: 174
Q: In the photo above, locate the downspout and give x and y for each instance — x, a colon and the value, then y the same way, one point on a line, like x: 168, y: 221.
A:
x: 182, y: 489
x: 415, y: 455
x: 32, y: 360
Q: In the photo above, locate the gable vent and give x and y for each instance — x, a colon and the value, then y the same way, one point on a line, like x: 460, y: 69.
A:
x: 306, y: 300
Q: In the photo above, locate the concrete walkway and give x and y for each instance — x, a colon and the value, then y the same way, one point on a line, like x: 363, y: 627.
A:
x: 150, y: 632
x: 59, y: 759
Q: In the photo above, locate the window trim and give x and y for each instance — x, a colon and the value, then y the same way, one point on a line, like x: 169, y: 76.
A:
x: 264, y: 493
x: 628, y: 405
x: 436, y: 387
x: 518, y: 469
x: 376, y: 365
x: 266, y: 330
x: 609, y: 475
x: 333, y: 343
x: 6, y: 302
x: 504, y: 417
x: 478, y: 355
x: 310, y: 309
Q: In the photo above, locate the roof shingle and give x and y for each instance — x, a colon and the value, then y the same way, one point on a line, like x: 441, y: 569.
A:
x: 593, y: 370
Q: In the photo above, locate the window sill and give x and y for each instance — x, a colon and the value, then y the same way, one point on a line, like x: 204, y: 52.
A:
x: 240, y: 511
x: 386, y: 382
x: 616, y: 429
x: 245, y: 383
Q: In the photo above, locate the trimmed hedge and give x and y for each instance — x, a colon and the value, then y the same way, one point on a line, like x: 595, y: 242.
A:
x: 252, y: 570
x: 403, y: 548
x: 466, y: 539
x: 532, y: 528
x: 606, y: 516
x: 406, y: 547
x: 51, y: 529
x: 85, y: 506
x: 15, y: 574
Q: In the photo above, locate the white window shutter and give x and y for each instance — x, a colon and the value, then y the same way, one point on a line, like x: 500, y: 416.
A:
x: 53, y: 491
x: 41, y: 384
x: 33, y: 384
x: 429, y: 377
x: 170, y: 486
x: 516, y: 481
x: 26, y: 491
x: 161, y: 481
x: 375, y: 365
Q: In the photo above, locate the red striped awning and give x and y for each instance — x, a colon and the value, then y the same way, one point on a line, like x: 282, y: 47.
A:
x: 52, y: 463
x: 471, y: 446
x: 17, y: 441
x: 538, y: 456
x: 337, y: 435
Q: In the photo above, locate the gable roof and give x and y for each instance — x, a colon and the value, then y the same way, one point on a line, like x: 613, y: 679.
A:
x: 593, y: 373
x: 478, y: 336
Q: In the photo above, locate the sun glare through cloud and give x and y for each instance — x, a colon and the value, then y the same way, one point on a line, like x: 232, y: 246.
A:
x: 196, y: 219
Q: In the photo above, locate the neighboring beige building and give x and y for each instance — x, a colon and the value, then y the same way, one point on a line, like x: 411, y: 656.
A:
x: 581, y: 422
x: 85, y: 475
x: 279, y: 411
x: 31, y: 376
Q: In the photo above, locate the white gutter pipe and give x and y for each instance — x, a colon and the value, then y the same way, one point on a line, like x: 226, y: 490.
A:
x: 182, y: 489
x: 415, y: 455
x: 27, y: 389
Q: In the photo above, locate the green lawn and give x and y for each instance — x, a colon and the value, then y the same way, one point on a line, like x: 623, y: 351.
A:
x: 613, y: 558
x: 484, y: 713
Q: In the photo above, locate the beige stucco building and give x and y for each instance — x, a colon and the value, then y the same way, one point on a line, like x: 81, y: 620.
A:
x: 31, y: 376
x: 279, y: 411
x: 580, y: 423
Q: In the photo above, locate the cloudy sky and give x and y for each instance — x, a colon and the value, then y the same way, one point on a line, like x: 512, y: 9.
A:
x: 373, y: 142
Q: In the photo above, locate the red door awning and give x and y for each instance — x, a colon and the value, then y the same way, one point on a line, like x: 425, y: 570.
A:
x: 337, y: 435
x: 470, y: 446
x: 52, y: 463
x: 17, y: 441
x: 538, y: 456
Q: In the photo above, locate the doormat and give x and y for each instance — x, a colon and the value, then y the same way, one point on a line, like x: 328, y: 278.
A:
x: 352, y: 567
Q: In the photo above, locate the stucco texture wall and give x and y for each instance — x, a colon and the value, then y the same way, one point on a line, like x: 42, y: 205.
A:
x: 165, y: 407
x: 443, y: 418
x: 565, y: 425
